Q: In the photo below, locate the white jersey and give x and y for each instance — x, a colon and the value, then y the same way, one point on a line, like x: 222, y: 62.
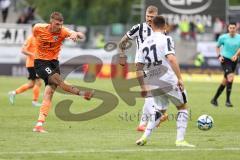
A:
x: 153, y: 53
x: 139, y: 32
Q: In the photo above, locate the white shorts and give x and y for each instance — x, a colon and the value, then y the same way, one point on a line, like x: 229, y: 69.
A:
x: 150, y: 106
x: 176, y: 96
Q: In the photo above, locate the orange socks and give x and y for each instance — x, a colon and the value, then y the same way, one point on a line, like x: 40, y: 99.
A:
x: 36, y: 91
x: 46, y: 105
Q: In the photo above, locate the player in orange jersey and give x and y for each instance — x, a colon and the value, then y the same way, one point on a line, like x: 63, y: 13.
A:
x: 34, y: 82
x: 49, y: 38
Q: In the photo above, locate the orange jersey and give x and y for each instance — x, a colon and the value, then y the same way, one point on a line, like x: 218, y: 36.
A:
x: 48, y: 44
x: 30, y: 47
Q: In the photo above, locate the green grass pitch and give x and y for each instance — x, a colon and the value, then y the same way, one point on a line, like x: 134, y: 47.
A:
x: 113, y: 136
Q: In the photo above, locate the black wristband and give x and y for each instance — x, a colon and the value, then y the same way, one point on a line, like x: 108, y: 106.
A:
x: 219, y: 55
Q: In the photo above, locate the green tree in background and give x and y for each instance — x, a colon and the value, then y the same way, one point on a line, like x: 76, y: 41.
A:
x: 94, y: 12
x: 234, y: 2
x: 91, y: 12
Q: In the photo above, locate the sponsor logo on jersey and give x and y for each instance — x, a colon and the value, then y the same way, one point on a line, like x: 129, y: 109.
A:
x: 55, y: 38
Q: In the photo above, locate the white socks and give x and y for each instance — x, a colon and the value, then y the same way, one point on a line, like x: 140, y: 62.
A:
x: 148, y: 111
x: 182, y: 119
x: 152, y: 123
x: 39, y: 124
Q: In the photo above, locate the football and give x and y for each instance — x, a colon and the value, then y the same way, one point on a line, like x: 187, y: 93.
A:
x: 205, y: 122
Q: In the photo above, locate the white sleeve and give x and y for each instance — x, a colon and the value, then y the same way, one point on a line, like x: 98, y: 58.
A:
x: 169, y: 49
x: 134, y: 32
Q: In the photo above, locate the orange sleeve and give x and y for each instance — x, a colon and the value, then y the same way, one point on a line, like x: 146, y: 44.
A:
x: 27, y: 46
x: 26, y: 43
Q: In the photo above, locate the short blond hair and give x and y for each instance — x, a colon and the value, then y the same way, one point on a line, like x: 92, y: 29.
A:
x: 152, y: 9
x: 57, y: 16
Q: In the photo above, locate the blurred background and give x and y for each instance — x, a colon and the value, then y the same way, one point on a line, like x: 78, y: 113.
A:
x: 194, y: 25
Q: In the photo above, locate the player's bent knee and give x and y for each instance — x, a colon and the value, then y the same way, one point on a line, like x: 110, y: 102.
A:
x: 55, y: 79
x: 38, y: 82
x: 224, y: 81
x: 49, y: 90
x: 183, y: 106
x: 31, y: 84
x: 230, y: 78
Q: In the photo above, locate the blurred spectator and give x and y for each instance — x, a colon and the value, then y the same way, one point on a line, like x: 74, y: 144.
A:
x: 199, y: 60
x: 200, y: 30
x: 100, y: 42
x: 4, y: 6
x: 192, y: 30
x: 218, y: 28
x: 27, y: 16
x: 238, y: 27
x: 184, y: 27
x: 170, y: 28
x: 200, y: 27
x: 21, y: 19
x: 30, y: 14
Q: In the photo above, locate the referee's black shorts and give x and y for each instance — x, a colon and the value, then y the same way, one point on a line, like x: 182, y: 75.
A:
x: 228, y: 66
x: 46, y: 68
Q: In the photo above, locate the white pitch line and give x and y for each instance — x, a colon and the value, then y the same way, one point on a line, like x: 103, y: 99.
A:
x: 122, y: 150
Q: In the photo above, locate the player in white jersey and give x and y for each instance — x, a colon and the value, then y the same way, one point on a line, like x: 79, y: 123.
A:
x: 140, y: 32
x: 158, y: 69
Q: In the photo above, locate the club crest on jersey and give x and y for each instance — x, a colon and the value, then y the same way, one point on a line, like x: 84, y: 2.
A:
x: 55, y: 38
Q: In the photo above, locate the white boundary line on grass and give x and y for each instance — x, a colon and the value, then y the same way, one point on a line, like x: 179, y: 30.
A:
x: 121, y: 150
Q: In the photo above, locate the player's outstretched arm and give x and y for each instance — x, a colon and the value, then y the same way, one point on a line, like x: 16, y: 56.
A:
x: 122, y: 48
x: 27, y: 53
x: 76, y: 35
x: 175, y: 66
x: 80, y: 35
